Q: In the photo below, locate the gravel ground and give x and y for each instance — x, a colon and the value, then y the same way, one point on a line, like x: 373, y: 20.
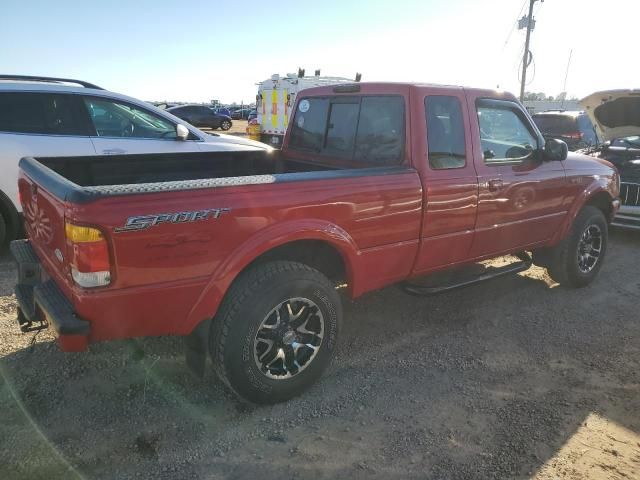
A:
x: 238, y: 127
x: 514, y: 378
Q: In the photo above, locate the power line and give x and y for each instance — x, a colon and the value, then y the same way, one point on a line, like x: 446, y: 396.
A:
x: 513, y: 26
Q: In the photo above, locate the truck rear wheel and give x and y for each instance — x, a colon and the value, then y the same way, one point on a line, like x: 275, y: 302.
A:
x: 275, y: 331
x: 578, y: 258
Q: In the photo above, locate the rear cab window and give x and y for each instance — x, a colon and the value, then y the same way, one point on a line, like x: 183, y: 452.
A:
x: 353, y: 131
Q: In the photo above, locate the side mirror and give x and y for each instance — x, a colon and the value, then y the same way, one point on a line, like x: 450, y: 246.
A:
x: 182, y: 132
x: 555, y: 149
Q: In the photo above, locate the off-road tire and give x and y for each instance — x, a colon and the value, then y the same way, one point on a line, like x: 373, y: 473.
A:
x: 563, y: 259
x: 251, y: 297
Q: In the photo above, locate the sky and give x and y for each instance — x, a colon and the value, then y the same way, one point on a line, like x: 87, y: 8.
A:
x: 196, y: 51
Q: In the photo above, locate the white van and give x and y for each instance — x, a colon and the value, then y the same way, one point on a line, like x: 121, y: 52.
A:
x: 275, y: 97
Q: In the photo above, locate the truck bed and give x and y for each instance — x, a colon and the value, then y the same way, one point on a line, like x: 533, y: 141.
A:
x: 137, y: 169
x: 84, y: 178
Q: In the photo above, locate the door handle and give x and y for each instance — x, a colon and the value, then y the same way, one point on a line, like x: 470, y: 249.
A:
x: 494, y: 185
x: 114, y: 151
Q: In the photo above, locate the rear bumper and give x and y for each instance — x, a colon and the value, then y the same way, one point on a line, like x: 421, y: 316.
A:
x: 627, y: 217
x: 273, y: 139
x: 41, y: 301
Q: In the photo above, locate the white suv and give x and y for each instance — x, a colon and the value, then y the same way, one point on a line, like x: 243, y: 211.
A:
x: 43, y: 116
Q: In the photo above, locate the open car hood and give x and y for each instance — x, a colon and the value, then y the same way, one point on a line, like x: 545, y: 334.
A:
x: 615, y: 113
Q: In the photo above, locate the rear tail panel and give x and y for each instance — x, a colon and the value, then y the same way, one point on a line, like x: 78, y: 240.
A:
x: 44, y: 218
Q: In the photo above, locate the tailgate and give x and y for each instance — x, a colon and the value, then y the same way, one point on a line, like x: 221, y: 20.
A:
x: 44, y: 218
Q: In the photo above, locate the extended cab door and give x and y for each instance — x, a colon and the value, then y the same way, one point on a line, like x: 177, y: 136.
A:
x: 521, y: 194
x: 444, y: 153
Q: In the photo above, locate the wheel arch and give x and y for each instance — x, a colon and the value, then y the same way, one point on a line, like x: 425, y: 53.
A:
x: 604, y: 202
x: 320, y: 245
x: 597, y: 196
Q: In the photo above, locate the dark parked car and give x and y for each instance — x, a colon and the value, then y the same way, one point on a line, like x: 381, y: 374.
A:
x: 253, y: 114
x: 240, y: 114
x: 574, y: 128
x: 201, y: 116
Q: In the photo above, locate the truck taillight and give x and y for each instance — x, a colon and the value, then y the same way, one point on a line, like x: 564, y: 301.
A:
x: 89, y: 256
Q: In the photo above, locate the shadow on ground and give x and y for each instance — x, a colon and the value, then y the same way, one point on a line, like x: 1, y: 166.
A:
x: 508, y: 379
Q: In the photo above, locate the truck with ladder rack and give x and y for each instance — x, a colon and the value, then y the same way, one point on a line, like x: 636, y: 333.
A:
x: 275, y: 98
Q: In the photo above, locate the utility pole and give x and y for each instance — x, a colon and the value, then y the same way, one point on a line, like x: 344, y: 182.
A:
x: 529, y: 23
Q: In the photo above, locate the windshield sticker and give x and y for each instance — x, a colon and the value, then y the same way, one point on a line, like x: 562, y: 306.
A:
x: 300, y: 122
x: 304, y: 106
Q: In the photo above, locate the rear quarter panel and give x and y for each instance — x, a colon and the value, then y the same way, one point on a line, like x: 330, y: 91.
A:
x: 169, y: 277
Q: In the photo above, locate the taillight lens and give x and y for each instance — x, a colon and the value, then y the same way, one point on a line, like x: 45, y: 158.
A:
x: 89, y: 256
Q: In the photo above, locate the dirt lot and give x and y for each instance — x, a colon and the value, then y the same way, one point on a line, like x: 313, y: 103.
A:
x: 514, y: 378
x: 238, y: 128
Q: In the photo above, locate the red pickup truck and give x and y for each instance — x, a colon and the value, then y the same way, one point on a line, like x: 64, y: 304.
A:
x: 245, y: 251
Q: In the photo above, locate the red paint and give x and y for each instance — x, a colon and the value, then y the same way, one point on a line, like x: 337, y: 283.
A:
x: 167, y: 279
x: 90, y: 256
x: 73, y: 343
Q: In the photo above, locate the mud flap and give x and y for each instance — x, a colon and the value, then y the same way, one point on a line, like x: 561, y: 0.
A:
x: 196, y: 348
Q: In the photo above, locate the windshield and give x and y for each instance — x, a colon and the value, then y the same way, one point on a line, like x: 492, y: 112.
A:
x: 632, y: 142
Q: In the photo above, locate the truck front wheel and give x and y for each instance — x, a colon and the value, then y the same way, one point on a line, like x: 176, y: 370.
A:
x: 275, y: 331
x: 578, y: 258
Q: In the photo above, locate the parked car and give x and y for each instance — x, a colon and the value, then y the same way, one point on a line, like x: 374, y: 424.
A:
x: 201, y: 116
x: 62, y: 117
x: 252, y: 114
x: 240, y: 114
x: 376, y: 184
x: 574, y: 128
x: 616, y: 114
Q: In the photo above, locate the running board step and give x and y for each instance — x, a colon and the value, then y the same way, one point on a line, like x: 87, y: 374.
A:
x: 516, y: 267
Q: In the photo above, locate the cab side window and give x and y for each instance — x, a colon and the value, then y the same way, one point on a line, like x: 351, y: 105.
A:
x: 504, y: 136
x: 445, y: 132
